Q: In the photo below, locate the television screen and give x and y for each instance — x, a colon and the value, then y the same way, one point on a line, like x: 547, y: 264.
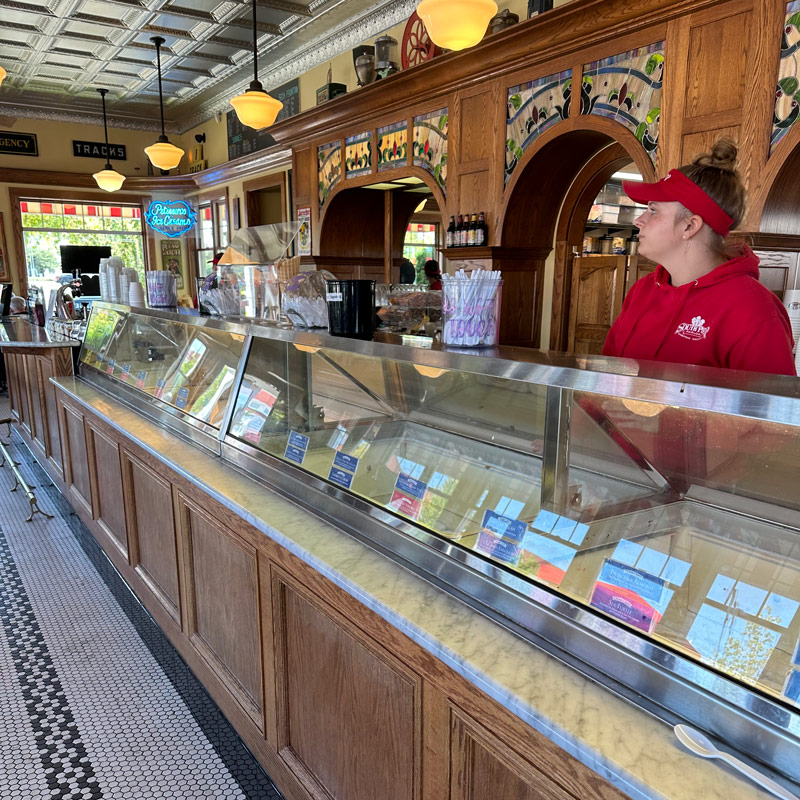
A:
x: 83, y: 258
x: 5, y: 299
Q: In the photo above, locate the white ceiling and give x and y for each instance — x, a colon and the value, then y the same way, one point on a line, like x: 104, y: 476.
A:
x: 58, y: 52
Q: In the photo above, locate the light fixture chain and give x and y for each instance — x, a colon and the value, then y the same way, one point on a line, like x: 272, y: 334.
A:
x: 255, y: 44
x: 160, y: 92
x: 105, y: 123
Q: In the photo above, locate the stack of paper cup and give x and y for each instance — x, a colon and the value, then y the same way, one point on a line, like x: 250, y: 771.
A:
x: 104, y: 279
x: 136, y: 294
x: 161, y: 288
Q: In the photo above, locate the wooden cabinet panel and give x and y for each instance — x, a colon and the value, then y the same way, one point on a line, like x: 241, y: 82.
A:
x: 693, y: 144
x: 222, y: 604
x: 44, y: 371
x: 475, y: 126
x: 484, y: 768
x: 77, y: 457
x: 35, y: 395
x: 598, y: 283
x: 718, y: 65
x: 151, y: 531
x: 107, y: 481
x: 348, y: 712
x: 24, y: 399
x: 12, y: 376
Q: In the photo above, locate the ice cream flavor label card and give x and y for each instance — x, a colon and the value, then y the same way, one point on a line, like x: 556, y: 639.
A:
x: 499, y: 549
x: 510, y: 529
x: 344, y: 461
x: 140, y: 379
x: 340, y: 477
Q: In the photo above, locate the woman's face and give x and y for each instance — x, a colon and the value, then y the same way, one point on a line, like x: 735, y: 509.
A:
x: 661, y: 231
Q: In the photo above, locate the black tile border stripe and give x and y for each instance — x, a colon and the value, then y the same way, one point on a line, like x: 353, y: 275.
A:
x: 251, y: 777
x: 67, y: 768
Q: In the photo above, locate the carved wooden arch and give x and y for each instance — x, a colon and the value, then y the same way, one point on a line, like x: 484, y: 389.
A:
x: 585, y: 134
x: 773, y: 205
x: 381, y: 177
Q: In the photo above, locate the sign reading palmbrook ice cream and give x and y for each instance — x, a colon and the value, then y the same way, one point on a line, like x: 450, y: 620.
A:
x: 170, y: 217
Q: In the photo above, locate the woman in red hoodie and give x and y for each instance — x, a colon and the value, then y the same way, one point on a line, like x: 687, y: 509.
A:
x: 704, y: 303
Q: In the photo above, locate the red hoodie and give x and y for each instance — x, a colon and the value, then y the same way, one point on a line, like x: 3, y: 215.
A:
x: 727, y: 318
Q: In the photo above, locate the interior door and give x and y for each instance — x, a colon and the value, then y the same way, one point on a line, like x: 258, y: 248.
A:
x: 598, y: 286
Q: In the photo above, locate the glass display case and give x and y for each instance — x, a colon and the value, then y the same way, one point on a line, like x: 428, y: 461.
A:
x: 640, y: 521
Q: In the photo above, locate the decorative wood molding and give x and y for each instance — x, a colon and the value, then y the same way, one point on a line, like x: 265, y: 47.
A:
x: 273, y: 158
x: 40, y: 177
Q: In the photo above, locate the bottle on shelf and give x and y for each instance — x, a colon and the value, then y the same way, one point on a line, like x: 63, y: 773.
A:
x: 472, y: 238
x: 482, y: 231
x: 462, y: 242
x: 450, y: 234
x: 459, y: 230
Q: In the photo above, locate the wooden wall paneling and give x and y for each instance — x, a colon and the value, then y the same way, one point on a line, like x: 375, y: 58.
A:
x: 695, y: 143
x: 251, y: 202
x: 221, y: 600
x: 388, y: 232
x: 50, y: 434
x: 76, y: 459
x: 105, y: 471
x: 673, y: 95
x: 26, y: 402
x: 39, y: 420
x: 349, y: 712
x: 483, y: 768
x: 13, y: 364
x: 151, y: 531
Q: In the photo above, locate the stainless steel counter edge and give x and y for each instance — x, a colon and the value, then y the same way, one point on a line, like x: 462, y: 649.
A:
x: 12, y: 331
x: 614, y: 738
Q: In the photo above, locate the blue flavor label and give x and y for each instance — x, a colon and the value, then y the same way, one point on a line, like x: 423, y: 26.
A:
x: 511, y: 530
x: 410, y: 486
x: 340, y: 477
x: 126, y: 371
x: 491, y: 546
x: 140, y: 379
x: 110, y: 367
x: 160, y: 384
x: 183, y: 396
x: 298, y: 440
x: 294, y: 454
x: 344, y: 461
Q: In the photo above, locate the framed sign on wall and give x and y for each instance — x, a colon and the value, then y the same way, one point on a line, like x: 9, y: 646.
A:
x: 304, y: 235
x: 172, y: 259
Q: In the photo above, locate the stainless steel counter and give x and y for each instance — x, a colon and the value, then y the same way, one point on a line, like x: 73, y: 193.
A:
x: 19, y: 332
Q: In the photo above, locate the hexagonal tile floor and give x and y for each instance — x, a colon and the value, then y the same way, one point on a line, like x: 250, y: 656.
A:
x: 96, y: 702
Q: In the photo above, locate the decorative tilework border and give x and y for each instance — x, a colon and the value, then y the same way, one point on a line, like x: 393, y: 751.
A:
x: 393, y: 145
x: 68, y: 771
x: 358, y: 155
x: 232, y: 751
x: 429, y: 144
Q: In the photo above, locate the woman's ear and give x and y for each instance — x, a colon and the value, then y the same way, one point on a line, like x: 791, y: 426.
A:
x: 692, y: 225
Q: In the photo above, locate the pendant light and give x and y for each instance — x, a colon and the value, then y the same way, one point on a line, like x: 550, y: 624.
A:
x: 108, y: 179
x: 255, y: 108
x: 456, y: 24
x: 3, y: 74
x: 162, y: 154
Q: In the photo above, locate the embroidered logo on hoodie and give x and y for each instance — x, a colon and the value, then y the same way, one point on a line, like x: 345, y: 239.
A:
x: 695, y: 330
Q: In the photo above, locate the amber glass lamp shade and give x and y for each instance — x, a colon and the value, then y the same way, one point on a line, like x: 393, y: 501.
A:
x: 109, y: 179
x: 256, y: 109
x: 163, y: 154
x: 456, y: 24
x: 3, y: 74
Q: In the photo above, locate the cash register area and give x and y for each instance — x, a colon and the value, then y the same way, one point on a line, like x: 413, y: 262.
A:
x: 96, y: 703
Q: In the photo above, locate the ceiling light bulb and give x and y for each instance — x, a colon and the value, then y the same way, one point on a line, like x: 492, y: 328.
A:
x: 164, y: 155
x: 109, y: 179
x: 3, y: 74
x: 456, y: 24
x: 256, y: 109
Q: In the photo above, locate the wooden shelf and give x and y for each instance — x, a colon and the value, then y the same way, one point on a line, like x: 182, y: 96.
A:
x: 469, y: 252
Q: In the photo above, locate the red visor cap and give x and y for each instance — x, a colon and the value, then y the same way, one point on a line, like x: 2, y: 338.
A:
x: 676, y: 187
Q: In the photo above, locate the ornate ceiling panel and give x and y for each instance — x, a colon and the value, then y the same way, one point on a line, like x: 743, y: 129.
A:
x: 57, y: 52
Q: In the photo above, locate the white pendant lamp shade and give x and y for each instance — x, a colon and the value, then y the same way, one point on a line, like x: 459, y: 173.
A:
x: 3, y: 74
x: 254, y: 107
x: 162, y: 154
x: 456, y: 24
x: 109, y: 179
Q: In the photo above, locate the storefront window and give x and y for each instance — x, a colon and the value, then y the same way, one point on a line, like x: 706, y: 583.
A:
x: 46, y: 225
x: 420, y: 245
x: 212, y: 233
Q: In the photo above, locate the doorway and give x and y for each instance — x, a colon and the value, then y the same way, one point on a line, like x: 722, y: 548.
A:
x: 265, y: 200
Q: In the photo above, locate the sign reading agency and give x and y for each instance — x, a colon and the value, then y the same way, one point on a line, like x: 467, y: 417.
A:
x: 99, y: 150
x: 19, y: 144
x: 170, y: 217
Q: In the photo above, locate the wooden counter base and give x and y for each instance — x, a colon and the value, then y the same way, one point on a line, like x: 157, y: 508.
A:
x: 333, y: 700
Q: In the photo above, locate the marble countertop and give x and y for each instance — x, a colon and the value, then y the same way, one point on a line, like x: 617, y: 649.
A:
x: 20, y: 332
x: 621, y: 742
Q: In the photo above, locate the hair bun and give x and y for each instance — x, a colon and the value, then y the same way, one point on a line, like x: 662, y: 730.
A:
x: 722, y: 156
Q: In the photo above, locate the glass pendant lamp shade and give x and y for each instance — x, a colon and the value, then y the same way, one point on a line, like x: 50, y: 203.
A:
x: 456, y: 24
x: 162, y: 154
x: 3, y: 74
x: 255, y: 108
x: 108, y: 178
